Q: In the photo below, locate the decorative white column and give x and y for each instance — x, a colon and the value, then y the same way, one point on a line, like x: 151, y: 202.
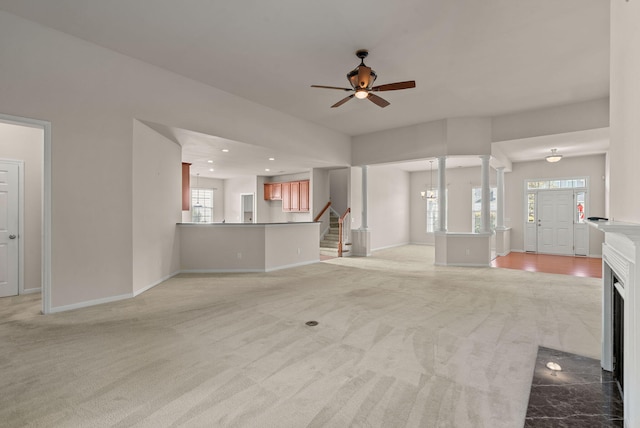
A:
x: 361, y: 245
x: 365, y: 170
x: 485, y: 208
x: 500, y: 213
x: 503, y: 234
x: 442, y: 194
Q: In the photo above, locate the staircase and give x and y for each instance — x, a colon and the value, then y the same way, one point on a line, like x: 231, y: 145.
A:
x: 329, y: 245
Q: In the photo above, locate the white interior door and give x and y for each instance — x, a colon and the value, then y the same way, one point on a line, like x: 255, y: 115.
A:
x: 9, y: 250
x: 555, y: 222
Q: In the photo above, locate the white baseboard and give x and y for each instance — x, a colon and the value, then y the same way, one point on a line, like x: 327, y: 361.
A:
x: 389, y: 246
x: 221, y: 270
x: 160, y: 281
x: 310, y: 262
x: 484, y: 265
x: 31, y: 291
x: 428, y: 244
x: 90, y: 303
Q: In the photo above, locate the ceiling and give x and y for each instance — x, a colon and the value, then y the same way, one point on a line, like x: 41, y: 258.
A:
x: 468, y: 58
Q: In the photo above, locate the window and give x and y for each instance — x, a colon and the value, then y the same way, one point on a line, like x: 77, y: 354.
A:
x: 581, y: 206
x: 531, y: 207
x: 557, y: 184
x: 476, y: 207
x: 432, y: 210
x: 202, y: 205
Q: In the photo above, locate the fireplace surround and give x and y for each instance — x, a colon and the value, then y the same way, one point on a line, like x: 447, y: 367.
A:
x: 620, y: 276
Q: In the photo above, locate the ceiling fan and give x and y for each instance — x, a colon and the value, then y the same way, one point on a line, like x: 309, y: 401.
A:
x: 361, y: 79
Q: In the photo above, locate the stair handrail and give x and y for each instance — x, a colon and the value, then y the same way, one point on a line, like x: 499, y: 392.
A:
x: 326, y: 207
x: 341, y: 230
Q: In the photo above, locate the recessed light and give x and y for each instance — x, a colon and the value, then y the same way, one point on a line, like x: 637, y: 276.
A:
x: 209, y: 161
x: 553, y: 366
x: 211, y: 169
x: 225, y: 150
x: 267, y: 169
x: 272, y: 158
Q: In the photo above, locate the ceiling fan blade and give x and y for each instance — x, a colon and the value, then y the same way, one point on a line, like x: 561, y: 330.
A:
x: 342, y: 101
x: 331, y: 87
x: 381, y: 102
x: 364, y: 74
x: 395, y: 86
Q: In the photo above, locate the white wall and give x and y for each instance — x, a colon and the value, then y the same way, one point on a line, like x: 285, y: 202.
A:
x: 593, y: 114
x: 157, y: 207
x: 589, y: 166
x: 91, y: 95
x: 339, y: 182
x: 233, y: 188
x: 388, y: 214
x: 27, y: 144
x: 320, y: 195
x: 407, y: 143
x: 625, y: 171
x: 625, y: 111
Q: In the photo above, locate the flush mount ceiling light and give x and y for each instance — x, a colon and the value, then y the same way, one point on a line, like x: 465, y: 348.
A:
x: 225, y: 150
x: 554, y: 156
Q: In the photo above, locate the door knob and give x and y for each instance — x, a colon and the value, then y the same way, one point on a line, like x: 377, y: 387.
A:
x: 12, y: 236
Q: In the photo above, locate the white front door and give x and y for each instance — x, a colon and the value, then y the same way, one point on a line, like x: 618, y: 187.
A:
x: 555, y: 222
x: 9, y: 249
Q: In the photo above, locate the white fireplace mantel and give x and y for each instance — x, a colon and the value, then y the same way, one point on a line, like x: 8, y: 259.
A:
x: 630, y: 230
x: 621, y: 257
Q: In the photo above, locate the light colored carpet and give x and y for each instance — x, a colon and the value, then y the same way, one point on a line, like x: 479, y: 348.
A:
x: 400, y: 343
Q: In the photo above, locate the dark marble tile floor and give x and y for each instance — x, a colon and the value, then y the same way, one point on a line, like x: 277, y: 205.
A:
x: 580, y: 395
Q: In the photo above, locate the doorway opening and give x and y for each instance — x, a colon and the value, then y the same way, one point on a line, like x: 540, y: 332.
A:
x: 247, y: 208
x: 27, y: 143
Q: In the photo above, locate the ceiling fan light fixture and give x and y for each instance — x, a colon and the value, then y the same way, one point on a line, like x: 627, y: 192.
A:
x: 554, y: 156
x: 361, y: 79
x: 361, y: 94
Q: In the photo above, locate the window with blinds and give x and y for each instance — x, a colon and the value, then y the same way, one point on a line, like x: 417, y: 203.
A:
x: 201, y: 205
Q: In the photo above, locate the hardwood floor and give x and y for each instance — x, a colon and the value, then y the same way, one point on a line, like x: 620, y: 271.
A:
x: 588, y: 267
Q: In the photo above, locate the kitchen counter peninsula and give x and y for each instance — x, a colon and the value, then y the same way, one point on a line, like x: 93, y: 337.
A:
x: 247, y: 247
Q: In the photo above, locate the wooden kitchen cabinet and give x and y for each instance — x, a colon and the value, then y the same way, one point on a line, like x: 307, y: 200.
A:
x: 272, y: 191
x: 286, y: 196
x: 304, y: 196
x: 186, y: 186
x: 293, y: 194
x: 267, y: 191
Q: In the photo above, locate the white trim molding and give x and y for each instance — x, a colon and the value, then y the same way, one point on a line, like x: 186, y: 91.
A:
x: 88, y: 303
x: 46, y: 203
